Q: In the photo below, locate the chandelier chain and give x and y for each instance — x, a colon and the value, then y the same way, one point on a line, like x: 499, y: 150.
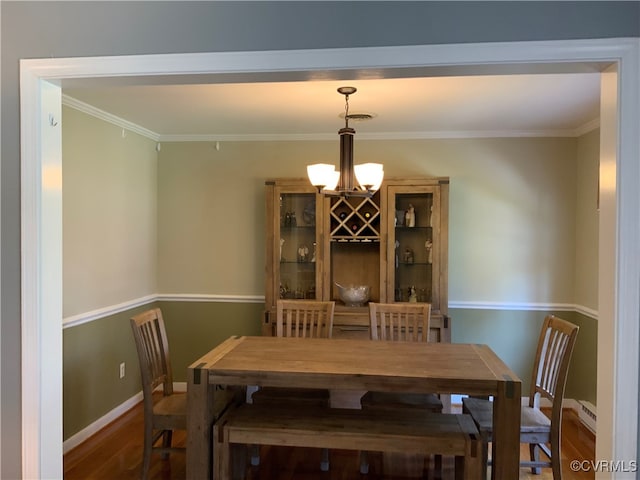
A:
x: 346, y: 110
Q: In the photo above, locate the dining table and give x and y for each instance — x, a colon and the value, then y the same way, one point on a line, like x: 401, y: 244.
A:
x: 443, y: 368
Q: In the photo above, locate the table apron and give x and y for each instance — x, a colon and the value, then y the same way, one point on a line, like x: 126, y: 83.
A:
x: 359, y: 382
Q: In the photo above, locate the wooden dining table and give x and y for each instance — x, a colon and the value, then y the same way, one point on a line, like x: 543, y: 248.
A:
x: 444, y: 368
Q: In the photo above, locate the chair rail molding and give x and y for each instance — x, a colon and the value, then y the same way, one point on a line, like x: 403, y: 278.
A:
x: 41, y: 220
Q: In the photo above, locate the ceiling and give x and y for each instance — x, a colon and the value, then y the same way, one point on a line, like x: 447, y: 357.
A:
x: 556, y: 104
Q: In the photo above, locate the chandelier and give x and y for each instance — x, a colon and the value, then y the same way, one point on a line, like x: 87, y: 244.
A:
x: 359, y: 180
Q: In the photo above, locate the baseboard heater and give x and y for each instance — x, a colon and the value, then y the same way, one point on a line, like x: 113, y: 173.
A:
x: 587, y: 415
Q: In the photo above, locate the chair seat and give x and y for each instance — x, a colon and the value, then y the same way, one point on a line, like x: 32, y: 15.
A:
x: 421, y: 401
x: 175, y: 404
x: 306, y: 396
x: 532, y: 420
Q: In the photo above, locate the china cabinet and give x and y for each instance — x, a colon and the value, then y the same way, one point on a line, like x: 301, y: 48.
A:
x: 396, y: 242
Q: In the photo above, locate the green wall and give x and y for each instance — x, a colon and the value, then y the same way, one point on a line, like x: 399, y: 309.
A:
x: 93, y: 351
x: 194, y: 328
x: 513, y: 335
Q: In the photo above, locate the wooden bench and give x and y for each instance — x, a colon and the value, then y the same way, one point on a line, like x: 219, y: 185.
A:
x: 349, y: 429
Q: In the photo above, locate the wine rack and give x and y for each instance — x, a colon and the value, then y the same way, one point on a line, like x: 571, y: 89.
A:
x: 355, y: 219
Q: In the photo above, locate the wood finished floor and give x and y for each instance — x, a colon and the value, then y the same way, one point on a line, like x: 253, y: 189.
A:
x: 115, y: 453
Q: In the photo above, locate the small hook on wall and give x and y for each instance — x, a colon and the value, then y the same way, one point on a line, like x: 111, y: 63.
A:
x: 52, y: 121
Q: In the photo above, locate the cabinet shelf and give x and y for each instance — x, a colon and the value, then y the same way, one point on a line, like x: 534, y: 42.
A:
x: 308, y: 228
x: 401, y: 228
x: 293, y: 262
x: 350, y: 239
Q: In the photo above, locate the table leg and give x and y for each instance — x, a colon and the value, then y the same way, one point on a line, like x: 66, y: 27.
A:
x: 200, y: 401
x: 506, y: 431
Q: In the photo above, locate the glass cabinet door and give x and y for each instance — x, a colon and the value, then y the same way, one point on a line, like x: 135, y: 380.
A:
x: 298, y: 248
x: 414, y: 244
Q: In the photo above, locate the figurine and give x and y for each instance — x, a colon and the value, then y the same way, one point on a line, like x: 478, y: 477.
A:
x: 413, y: 298
x: 303, y: 253
x: 408, y: 255
x: 313, y: 257
x: 431, y: 216
x: 429, y: 246
x: 281, y: 244
x: 410, y: 217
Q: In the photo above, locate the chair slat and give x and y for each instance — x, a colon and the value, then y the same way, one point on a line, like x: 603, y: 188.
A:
x: 304, y: 318
x: 400, y: 321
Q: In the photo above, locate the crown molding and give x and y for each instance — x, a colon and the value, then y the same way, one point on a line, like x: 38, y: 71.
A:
x: 293, y: 137
x: 108, y: 117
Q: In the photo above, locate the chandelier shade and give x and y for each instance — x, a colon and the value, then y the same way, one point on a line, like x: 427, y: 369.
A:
x: 350, y: 180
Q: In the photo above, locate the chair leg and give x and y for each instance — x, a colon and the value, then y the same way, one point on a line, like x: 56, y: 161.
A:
x: 485, y: 455
x: 146, y: 454
x: 555, y: 459
x: 166, y: 442
x: 364, y: 462
x: 255, y: 455
x: 534, y: 453
x: 437, y: 464
x: 324, y: 461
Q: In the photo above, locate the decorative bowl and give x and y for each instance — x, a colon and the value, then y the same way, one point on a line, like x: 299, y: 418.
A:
x: 353, y: 295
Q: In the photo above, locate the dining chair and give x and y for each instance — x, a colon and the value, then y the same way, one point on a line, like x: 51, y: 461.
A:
x: 299, y: 319
x: 550, y: 368
x: 393, y: 322
x: 165, y: 411
x: 407, y: 322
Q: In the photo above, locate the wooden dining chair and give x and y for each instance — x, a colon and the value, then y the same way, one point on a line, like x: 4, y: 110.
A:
x: 165, y: 411
x: 407, y: 322
x: 300, y: 319
x: 550, y: 368
x: 304, y: 318
x: 394, y: 322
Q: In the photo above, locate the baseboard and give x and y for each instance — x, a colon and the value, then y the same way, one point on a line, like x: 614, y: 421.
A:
x: 93, y: 428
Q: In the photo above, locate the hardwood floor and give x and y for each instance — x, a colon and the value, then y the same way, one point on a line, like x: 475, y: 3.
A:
x: 116, y: 453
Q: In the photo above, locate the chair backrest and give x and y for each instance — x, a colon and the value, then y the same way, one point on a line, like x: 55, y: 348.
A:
x: 304, y: 318
x: 551, y: 365
x: 407, y: 322
x: 153, y: 353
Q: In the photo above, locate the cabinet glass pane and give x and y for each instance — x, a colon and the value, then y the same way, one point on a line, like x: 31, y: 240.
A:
x: 297, y: 245
x: 413, y: 263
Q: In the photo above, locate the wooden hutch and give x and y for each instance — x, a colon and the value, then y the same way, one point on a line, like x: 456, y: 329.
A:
x: 314, y: 241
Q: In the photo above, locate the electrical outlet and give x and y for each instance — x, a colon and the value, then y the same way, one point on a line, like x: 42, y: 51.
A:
x: 122, y: 370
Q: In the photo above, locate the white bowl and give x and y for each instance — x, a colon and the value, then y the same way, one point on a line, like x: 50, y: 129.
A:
x: 353, y: 295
